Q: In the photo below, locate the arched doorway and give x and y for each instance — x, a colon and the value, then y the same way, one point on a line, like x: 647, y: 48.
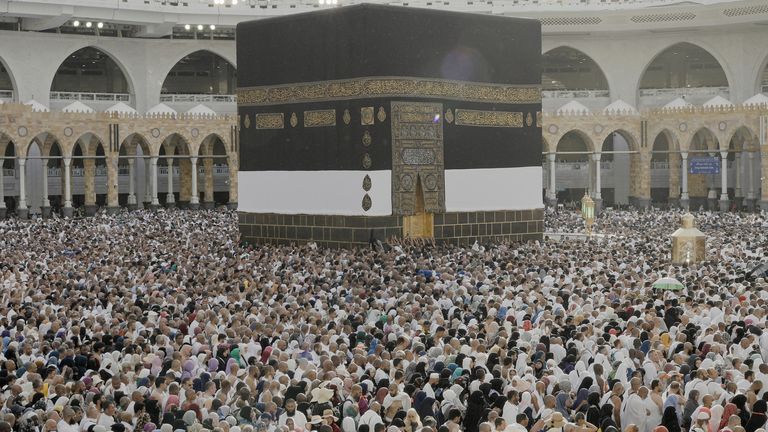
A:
x: 7, y: 173
x: 201, y: 73
x: 686, y: 70
x: 92, y: 76
x: 174, y: 172
x: 569, y: 74
x: 215, y: 172
x: 133, y: 167
x: 6, y: 84
x: 665, y: 170
x: 744, y: 174
x: 702, y: 188
x: 615, y: 162
x: 572, y: 167
x: 77, y: 173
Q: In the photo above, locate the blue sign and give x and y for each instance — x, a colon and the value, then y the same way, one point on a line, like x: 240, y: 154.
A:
x: 704, y: 165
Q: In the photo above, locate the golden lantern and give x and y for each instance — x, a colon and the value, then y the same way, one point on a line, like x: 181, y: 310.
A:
x: 588, y: 212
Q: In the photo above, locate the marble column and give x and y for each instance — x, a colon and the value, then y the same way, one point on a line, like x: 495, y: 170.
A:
x: 67, y: 210
x: 750, y: 181
x: 738, y: 194
x: 45, y: 203
x: 232, y: 167
x: 2, y: 189
x: 208, y: 198
x: 155, y: 202
x: 598, y: 195
x: 113, y: 204
x: 170, y: 200
x: 684, y: 200
x: 131, y: 184
x: 552, y: 190
x: 147, y: 181
x: 194, y: 199
x: 22, y: 211
x: 89, y: 178
x: 724, y: 203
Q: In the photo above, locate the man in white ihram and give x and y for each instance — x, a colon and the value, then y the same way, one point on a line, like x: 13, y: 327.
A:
x: 635, y: 411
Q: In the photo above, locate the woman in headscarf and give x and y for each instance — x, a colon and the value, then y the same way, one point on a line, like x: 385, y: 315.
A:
x: 669, y: 419
x: 717, y: 415
x: 451, y: 401
x: 741, y: 403
x: 729, y: 410
x: 581, y: 404
x: 412, y: 421
x: 593, y: 408
x: 350, y: 418
x: 606, y: 417
x: 690, y: 406
x: 475, y: 410
x: 426, y: 408
x: 757, y: 419
x: 563, y: 404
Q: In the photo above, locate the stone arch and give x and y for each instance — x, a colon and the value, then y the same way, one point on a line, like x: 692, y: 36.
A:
x: 196, y: 59
x: 135, y: 140
x: 94, y: 50
x: 569, y: 58
x: 701, y: 48
x: 7, y: 79
x: 44, y: 140
x: 585, y: 137
x: 704, y: 140
x: 761, y: 77
x: 742, y: 131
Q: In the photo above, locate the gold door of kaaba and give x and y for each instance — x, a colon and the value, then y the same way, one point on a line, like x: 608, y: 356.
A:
x: 418, y: 174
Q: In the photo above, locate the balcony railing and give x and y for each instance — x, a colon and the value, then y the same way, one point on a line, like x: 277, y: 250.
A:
x: 575, y: 94
x: 6, y: 95
x: 685, y: 91
x: 94, y: 97
x: 198, y: 98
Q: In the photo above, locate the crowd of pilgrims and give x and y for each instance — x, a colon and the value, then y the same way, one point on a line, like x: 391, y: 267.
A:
x: 164, y: 321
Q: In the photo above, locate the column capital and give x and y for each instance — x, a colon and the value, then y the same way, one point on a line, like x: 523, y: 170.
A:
x: 22, y: 161
x: 193, y: 159
x: 724, y: 154
x: 67, y: 160
x: 684, y: 154
x: 597, y: 156
x: 131, y: 161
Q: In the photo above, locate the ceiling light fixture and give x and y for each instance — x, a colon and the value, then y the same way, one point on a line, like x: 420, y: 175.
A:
x: 88, y: 24
x: 212, y: 27
x: 100, y: 25
x: 200, y: 27
x: 76, y: 23
x: 187, y: 27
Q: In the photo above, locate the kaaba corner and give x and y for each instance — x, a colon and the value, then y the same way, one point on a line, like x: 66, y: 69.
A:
x: 371, y: 122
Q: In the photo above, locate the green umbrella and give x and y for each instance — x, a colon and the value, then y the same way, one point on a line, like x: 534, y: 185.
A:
x: 668, y: 283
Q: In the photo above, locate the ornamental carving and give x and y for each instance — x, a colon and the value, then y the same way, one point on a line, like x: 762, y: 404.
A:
x: 346, y: 117
x: 294, y: 120
x: 367, y: 140
x: 366, y: 116
x: 247, y: 121
x: 528, y: 120
x: 489, y: 118
x: 381, y: 115
x: 417, y: 156
x: 367, y: 162
x: 367, y: 183
x: 269, y: 121
x: 320, y: 118
x: 449, y: 116
x: 367, y: 203
x: 377, y: 87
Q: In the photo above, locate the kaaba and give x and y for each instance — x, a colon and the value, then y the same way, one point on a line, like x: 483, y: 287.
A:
x: 371, y: 122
